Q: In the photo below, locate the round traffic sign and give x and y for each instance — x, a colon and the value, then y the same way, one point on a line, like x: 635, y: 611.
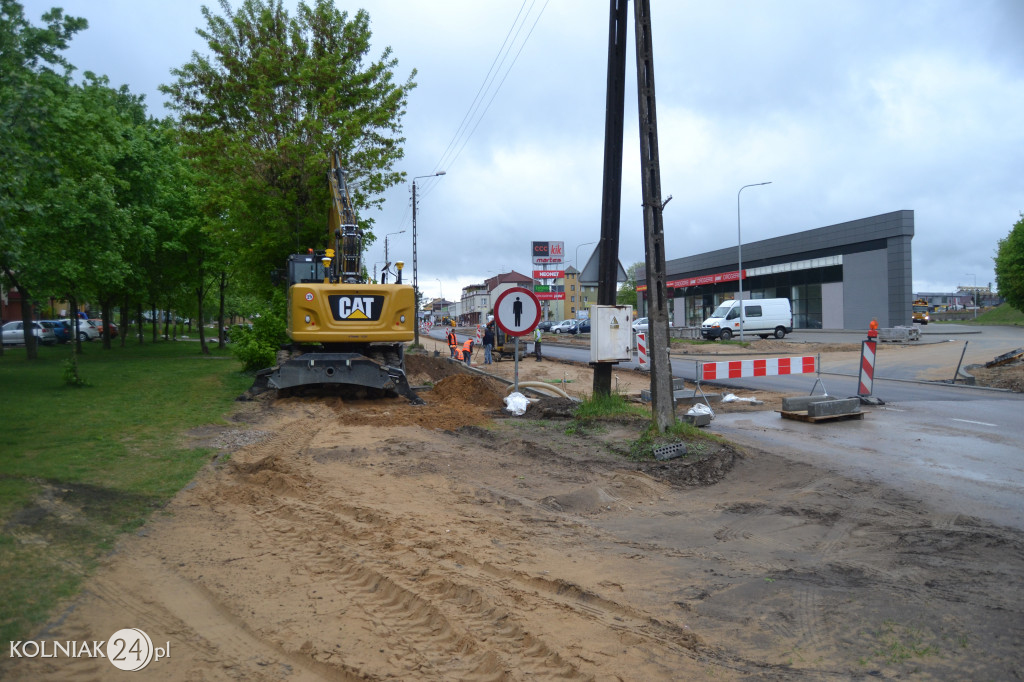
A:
x: 517, y: 311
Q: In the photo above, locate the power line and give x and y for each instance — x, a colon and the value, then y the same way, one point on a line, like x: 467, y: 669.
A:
x: 474, y: 115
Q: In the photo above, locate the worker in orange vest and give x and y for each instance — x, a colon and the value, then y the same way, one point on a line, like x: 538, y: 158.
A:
x: 467, y: 350
x: 452, y: 342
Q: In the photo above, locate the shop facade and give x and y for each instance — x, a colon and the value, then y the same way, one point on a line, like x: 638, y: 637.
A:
x: 836, y: 277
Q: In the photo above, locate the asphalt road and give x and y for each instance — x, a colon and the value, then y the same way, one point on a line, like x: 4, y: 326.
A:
x: 958, y: 448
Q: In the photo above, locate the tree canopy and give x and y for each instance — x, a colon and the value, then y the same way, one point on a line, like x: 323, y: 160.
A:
x: 1009, y: 262
x: 260, y: 114
x: 627, y: 293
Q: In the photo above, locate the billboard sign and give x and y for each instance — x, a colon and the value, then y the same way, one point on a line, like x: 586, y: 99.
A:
x: 548, y: 253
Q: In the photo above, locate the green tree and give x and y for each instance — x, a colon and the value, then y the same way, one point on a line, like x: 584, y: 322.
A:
x: 627, y: 294
x: 1009, y: 261
x: 83, y: 229
x: 34, y: 77
x: 261, y: 112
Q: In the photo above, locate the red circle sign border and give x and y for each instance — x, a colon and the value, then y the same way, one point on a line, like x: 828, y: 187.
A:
x: 530, y: 296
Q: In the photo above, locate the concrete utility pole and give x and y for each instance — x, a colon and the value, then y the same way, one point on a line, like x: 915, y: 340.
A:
x: 662, y: 398
x: 611, y: 193
x: 415, y: 267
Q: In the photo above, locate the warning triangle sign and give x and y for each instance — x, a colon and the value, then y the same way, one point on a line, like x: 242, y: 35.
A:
x: 357, y: 315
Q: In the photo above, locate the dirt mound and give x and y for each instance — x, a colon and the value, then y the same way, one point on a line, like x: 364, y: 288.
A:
x: 422, y: 369
x: 481, y: 392
x: 1009, y: 377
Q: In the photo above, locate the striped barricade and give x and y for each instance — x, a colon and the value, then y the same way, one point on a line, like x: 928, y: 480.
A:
x: 761, y: 367
x: 765, y: 367
x: 641, y: 352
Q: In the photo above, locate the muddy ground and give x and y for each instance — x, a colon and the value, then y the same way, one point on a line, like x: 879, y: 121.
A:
x: 367, y: 540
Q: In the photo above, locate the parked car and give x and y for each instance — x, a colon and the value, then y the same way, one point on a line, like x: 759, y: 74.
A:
x: 583, y: 327
x: 14, y: 334
x: 99, y: 326
x: 564, y: 327
x: 86, y: 331
x: 640, y: 325
x: 60, y: 330
x: 545, y: 325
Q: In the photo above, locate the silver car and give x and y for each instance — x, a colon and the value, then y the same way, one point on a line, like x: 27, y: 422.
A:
x: 14, y: 334
x: 87, y: 331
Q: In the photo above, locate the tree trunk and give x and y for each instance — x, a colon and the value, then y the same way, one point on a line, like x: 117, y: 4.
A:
x: 75, y: 326
x: 140, y: 331
x: 202, y: 330
x: 220, y: 313
x: 156, y: 322
x: 31, y: 348
x: 124, y: 322
x: 105, y: 316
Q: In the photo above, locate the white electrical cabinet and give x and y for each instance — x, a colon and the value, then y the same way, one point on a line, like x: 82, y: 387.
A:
x: 611, y: 333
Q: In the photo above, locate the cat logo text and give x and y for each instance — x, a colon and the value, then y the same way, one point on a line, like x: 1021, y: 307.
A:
x: 356, y: 308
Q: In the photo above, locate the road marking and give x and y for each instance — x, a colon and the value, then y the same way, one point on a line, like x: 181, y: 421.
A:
x: 970, y: 421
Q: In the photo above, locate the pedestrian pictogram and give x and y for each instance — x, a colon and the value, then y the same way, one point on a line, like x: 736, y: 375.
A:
x: 517, y: 311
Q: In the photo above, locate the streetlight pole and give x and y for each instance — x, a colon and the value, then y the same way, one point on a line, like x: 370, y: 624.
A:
x: 384, y: 274
x: 415, y: 275
x: 578, y: 254
x: 739, y: 248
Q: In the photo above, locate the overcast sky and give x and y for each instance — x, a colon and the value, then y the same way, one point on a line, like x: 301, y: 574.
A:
x: 850, y: 109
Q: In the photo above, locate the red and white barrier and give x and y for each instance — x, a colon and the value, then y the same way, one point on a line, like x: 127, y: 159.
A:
x: 479, y: 335
x: 641, y: 351
x: 867, y: 368
x: 767, y: 367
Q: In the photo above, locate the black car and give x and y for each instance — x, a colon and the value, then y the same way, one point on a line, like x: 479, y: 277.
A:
x: 583, y: 327
x: 545, y: 325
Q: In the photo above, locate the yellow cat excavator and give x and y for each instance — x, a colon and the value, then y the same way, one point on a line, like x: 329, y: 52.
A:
x: 345, y: 331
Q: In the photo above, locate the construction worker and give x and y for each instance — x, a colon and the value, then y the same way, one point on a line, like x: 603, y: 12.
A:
x: 538, y: 335
x: 452, y: 341
x: 467, y: 350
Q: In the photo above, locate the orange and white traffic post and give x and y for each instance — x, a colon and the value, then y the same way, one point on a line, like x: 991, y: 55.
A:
x: 868, y: 354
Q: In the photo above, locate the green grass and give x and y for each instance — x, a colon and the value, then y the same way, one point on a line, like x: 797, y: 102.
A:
x: 680, y: 432
x: 1000, y: 315
x: 81, y: 465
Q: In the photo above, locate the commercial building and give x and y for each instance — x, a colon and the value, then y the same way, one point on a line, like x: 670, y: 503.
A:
x: 837, y: 277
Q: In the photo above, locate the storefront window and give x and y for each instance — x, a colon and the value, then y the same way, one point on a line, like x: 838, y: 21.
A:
x: 806, y: 300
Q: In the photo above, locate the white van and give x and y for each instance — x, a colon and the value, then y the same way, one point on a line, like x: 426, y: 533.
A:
x: 761, y: 316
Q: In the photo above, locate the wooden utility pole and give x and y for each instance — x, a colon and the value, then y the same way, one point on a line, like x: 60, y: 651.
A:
x: 662, y: 399
x: 611, y: 197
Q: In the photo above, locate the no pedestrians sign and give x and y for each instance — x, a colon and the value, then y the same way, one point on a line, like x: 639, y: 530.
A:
x: 517, y: 311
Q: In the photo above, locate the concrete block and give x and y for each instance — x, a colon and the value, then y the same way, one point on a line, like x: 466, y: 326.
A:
x: 670, y: 451
x: 696, y: 419
x: 685, y: 397
x: 827, y: 408
x: 798, y: 403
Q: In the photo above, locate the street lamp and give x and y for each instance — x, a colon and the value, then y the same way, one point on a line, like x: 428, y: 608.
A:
x: 415, y: 275
x: 739, y: 247
x: 386, y: 261
x: 578, y: 253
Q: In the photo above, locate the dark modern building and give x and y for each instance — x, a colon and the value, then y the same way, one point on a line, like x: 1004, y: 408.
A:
x: 836, y: 277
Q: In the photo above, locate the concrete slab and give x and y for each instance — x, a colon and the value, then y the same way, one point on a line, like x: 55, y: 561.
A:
x: 827, y: 408
x: 798, y: 403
